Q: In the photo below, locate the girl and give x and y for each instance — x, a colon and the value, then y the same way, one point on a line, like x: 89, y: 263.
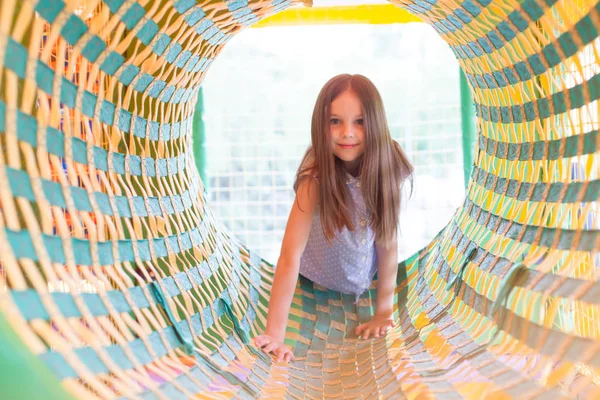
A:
x: 342, y: 226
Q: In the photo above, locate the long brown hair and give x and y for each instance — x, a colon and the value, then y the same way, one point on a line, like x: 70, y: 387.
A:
x: 383, y: 167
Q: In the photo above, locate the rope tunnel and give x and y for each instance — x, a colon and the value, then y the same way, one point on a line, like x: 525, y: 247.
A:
x: 117, y: 281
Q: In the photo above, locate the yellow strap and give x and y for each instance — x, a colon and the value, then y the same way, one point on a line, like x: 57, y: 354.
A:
x: 364, y: 14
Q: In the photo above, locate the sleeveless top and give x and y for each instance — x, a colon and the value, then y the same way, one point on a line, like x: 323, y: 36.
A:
x: 350, y: 262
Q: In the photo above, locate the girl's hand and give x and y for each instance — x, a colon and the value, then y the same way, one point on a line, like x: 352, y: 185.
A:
x: 379, y: 325
x: 269, y: 345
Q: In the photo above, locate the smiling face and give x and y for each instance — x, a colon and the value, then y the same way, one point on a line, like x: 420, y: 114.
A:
x: 347, y: 130
x: 349, y: 121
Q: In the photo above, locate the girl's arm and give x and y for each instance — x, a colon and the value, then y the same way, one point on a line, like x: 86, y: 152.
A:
x: 288, y: 265
x: 387, y: 256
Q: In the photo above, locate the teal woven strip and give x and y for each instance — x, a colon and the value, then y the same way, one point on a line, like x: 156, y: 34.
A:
x: 466, y: 13
x: 22, y: 247
x: 307, y: 327
x: 501, y: 34
x: 496, y: 264
x: 525, y: 191
x: 44, y: 77
x: 88, y: 356
x: 92, y: 361
x: 514, y: 325
x: 194, y: 16
x: 323, y: 322
x: 75, y: 29
x: 464, y: 262
x: 552, y: 105
x: 21, y: 186
x: 453, y: 331
x: 540, y: 150
x: 227, y: 310
x: 27, y: 128
x: 183, y: 335
x: 170, y: 391
x: 547, y: 235
x: 174, y: 334
x: 420, y: 6
x: 241, y: 12
x: 584, y: 30
x: 30, y: 304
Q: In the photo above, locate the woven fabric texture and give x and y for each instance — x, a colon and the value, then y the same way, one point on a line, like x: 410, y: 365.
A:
x: 119, y: 280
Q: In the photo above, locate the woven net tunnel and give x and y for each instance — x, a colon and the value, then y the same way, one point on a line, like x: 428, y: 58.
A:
x: 119, y: 282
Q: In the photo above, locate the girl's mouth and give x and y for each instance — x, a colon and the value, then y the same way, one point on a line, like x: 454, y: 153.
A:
x: 347, y: 146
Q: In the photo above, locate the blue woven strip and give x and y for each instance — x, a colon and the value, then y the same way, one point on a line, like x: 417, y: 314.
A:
x: 242, y: 12
x: 421, y: 6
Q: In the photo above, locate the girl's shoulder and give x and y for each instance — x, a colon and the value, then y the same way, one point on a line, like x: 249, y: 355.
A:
x: 307, y: 169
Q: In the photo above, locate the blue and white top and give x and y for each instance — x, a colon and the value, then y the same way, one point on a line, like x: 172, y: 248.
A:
x: 350, y: 262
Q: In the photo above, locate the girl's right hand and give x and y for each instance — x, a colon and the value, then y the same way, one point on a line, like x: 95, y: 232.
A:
x: 270, y: 345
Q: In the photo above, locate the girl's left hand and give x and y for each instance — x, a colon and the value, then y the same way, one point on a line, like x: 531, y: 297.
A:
x: 379, y: 325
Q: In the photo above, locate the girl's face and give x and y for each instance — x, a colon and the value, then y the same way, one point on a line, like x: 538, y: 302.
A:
x: 347, y: 129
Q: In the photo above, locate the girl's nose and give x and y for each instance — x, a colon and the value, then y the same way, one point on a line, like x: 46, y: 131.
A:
x: 348, y: 132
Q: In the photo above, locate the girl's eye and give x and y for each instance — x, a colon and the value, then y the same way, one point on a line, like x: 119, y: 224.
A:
x: 334, y: 121
x: 359, y: 121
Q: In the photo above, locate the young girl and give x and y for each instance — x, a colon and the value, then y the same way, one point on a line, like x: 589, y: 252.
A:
x: 342, y: 226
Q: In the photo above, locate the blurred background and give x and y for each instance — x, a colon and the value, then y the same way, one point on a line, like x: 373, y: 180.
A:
x: 256, y: 107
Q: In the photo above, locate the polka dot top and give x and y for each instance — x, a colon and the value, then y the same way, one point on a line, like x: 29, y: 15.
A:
x: 350, y: 262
